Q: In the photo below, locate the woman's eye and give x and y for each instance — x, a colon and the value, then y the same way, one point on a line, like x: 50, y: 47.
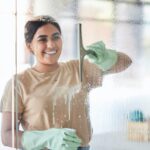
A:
x: 43, y: 39
x: 56, y: 37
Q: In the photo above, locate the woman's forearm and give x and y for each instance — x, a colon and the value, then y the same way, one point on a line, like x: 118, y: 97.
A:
x: 10, y: 141
x: 123, y: 62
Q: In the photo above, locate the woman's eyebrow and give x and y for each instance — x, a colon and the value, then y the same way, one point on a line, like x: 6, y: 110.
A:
x: 56, y: 33
x: 41, y: 36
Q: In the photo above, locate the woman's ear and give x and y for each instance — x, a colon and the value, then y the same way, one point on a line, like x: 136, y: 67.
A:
x: 28, y: 46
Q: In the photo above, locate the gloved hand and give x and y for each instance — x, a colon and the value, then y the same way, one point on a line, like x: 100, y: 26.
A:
x: 53, y: 139
x: 105, y: 58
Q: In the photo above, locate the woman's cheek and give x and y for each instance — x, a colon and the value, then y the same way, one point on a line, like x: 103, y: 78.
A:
x: 40, y: 48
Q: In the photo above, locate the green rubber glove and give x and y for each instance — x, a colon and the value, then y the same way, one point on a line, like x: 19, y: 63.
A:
x: 53, y: 139
x: 105, y: 58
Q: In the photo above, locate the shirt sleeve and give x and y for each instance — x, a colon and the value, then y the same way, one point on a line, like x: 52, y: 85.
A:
x: 93, y: 74
x: 10, y: 95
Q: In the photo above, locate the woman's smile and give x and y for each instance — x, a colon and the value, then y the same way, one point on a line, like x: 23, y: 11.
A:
x: 52, y: 52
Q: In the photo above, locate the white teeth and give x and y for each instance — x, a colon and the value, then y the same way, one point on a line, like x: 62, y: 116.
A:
x: 51, y: 52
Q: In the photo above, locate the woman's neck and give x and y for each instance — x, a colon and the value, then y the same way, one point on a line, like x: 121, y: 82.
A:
x: 45, y: 68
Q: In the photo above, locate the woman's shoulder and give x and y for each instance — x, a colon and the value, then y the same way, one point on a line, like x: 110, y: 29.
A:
x: 23, y: 73
x: 70, y: 64
x: 17, y: 78
x: 75, y: 63
x: 20, y: 76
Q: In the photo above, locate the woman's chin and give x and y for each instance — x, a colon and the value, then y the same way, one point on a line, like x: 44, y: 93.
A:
x: 52, y: 63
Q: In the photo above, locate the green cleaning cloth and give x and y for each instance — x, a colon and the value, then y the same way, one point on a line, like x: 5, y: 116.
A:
x: 105, y: 58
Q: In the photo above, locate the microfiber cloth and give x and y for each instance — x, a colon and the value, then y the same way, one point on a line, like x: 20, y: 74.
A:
x: 105, y: 58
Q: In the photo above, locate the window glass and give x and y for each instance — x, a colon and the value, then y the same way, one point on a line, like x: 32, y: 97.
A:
x: 123, y: 25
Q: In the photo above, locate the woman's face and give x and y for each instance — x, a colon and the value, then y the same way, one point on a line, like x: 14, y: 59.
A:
x: 46, y: 45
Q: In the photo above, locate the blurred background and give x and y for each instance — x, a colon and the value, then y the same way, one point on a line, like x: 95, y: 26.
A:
x: 123, y: 25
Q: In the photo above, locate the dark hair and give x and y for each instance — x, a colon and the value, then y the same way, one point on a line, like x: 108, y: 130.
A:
x: 32, y: 26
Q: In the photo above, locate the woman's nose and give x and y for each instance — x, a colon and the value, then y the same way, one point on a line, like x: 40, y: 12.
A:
x: 50, y: 43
